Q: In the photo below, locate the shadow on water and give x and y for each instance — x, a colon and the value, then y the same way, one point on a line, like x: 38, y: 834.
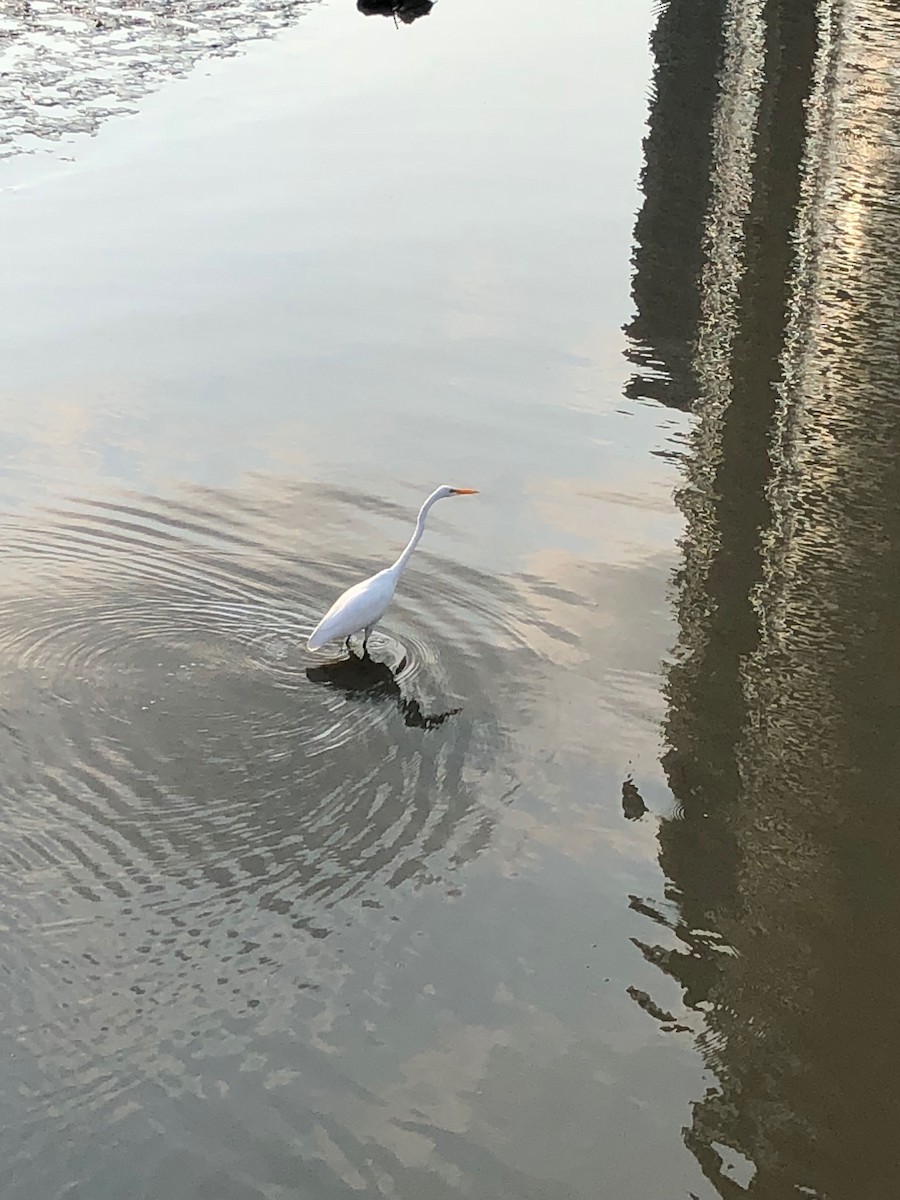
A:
x: 783, y: 909
x: 361, y: 677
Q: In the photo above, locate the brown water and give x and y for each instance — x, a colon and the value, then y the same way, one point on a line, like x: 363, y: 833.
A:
x: 584, y: 886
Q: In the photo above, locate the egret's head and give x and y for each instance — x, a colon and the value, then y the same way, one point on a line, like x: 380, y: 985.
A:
x: 452, y: 491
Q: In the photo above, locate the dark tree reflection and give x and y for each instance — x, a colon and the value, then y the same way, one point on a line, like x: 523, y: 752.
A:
x: 776, y: 318
x: 676, y: 179
x: 406, y: 11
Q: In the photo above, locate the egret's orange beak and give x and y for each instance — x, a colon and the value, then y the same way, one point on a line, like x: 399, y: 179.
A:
x: 464, y: 491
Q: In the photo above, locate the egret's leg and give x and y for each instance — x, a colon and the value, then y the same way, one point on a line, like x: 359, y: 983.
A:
x: 366, y: 633
x: 348, y: 647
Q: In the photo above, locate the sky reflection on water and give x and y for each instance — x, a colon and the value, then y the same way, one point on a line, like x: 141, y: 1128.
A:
x: 584, y: 885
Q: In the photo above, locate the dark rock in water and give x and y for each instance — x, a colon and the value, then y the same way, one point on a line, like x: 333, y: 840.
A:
x: 644, y: 1000
x: 406, y: 11
x: 633, y: 805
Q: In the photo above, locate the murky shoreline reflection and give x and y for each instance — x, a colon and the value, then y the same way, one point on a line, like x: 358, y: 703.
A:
x: 782, y: 854
x: 285, y: 927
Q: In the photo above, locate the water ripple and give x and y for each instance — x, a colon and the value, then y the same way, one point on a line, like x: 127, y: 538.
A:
x: 190, y: 801
x: 67, y: 67
x: 170, y: 717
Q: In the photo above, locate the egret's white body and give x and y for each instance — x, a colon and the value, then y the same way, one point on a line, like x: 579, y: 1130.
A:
x: 361, y: 607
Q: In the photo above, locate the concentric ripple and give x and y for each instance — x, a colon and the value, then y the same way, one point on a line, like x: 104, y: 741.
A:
x: 155, y: 654
x: 187, y: 796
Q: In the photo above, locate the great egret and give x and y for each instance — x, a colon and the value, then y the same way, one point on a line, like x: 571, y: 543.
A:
x: 361, y: 607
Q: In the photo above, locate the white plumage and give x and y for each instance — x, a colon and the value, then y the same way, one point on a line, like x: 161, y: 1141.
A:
x: 361, y: 607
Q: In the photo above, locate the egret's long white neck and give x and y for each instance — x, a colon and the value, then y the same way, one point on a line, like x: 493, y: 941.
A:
x: 417, y: 532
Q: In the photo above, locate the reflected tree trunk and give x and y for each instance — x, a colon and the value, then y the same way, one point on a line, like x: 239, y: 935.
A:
x: 782, y: 700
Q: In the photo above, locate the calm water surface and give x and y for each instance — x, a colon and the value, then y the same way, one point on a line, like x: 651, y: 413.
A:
x: 585, y: 885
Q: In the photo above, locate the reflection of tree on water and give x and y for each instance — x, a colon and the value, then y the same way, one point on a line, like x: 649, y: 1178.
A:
x: 783, y: 703
x: 406, y: 11
x: 687, y: 43
x: 366, y: 678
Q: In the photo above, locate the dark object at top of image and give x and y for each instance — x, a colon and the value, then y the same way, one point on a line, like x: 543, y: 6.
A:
x: 404, y: 10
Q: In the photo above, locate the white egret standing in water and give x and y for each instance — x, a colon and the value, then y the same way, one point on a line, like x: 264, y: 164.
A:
x: 361, y: 607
